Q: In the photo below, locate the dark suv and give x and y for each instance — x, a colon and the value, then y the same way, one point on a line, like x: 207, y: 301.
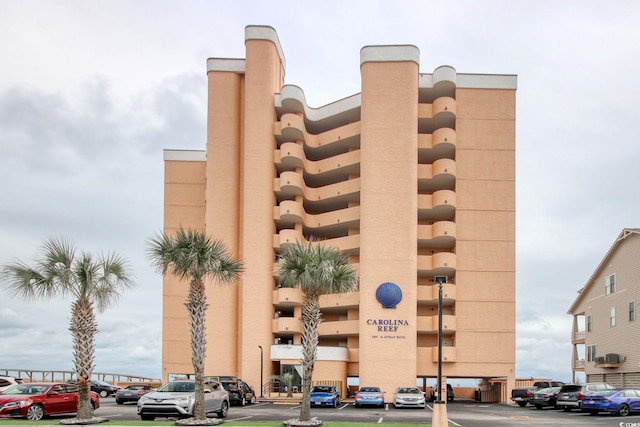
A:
x: 102, y: 388
x: 570, y: 395
x: 434, y: 392
x: 240, y: 393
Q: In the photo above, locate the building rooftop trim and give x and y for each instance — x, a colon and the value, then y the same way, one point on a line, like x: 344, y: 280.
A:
x: 487, y: 81
x: 264, y: 32
x: 391, y: 53
x: 626, y: 232
x: 226, y: 64
x: 185, y: 155
x: 292, y: 99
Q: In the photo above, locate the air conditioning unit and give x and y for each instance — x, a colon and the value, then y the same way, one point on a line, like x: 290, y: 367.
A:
x: 612, y: 358
x: 599, y: 360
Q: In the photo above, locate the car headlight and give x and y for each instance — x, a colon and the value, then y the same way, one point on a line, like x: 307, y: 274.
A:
x: 18, y: 404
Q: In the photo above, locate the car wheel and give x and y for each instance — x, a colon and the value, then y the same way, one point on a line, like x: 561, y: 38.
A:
x: 357, y: 405
x: 119, y: 402
x: 103, y: 393
x: 243, y: 401
x: 147, y: 418
x: 538, y: 406
x: 253, y: 399
x: 593, y: 412
x: 35, y: 412
x: 224, y: 409
x: 522, y: 404
x: 623, y: 411
x: 336, y: 403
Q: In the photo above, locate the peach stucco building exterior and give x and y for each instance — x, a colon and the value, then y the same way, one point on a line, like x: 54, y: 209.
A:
x: 413, y: 177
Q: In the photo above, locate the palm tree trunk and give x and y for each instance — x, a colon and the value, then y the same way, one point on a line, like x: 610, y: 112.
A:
x: 83, y: 327
x: 197, y: 307
x: 311, y: 320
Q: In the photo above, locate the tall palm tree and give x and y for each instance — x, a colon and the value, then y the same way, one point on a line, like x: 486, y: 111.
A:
x: 316, y: 270
x: 193, y: 256
x: 95, y: 284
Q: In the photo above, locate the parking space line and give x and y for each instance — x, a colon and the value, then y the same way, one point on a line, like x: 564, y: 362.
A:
x: 239, y: 419
x: 380, y: 420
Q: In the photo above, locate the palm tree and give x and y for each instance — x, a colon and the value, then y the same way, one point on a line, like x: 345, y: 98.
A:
x: 317, y: 270
x: 192, y: 255
x: 95, y: 284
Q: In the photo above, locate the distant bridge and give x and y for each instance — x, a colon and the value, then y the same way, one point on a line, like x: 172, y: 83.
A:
x: 32, y: 375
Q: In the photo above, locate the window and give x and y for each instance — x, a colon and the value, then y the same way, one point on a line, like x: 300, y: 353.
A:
x: 589, y: 323
x: 632, y: 311
x: 610, y: 284
x: 591, y: 353
x: 612, y: 317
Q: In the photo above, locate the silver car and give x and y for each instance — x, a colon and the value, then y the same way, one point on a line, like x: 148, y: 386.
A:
x: 176, y: 399
x: 409, y: 397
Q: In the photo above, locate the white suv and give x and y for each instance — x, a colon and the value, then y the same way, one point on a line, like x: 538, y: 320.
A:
x: 6, y: 382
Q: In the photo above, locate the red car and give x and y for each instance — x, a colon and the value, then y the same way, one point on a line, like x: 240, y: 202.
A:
x: 37, y: 400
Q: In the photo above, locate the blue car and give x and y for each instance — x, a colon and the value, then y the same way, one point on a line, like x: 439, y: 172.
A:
x: 620, y: 401
x: 369, y: 396
x: 325, y: 395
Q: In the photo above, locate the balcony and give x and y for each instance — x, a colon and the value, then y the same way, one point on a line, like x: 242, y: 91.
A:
x: 440, y: 234
x: 430, y: 293
x: 429, y: 324
x: 438, y: 264
x: 344, y: 301
x: 284, y: 325
x: 441, y: 175
x: 348, y: 245
x: 441, y: 205
x: 439, y: 145
x: 449, y: 354
x: 287, y: 297
x: 294, y: 352
x: 578, y: 337
x: 339, y: 328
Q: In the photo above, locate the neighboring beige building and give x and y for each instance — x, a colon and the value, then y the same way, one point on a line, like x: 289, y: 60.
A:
x: 412, y: 178
x: 605, y: 317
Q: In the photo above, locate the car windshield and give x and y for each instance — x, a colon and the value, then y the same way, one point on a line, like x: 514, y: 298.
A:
x: 134, y: 387
x: 408, y: 391
x: 229, y: 386
x: 369, y: 390
x: 180, y: 386
x: 26, y: 389
x: 547, y: 390
x: 102, y: 383
x: 321, y: 389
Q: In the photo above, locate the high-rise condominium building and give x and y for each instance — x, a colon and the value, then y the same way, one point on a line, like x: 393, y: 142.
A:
x: 413, y: 179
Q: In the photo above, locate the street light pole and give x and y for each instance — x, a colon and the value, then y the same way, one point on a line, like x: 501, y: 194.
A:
x: 261, y: 372
x: 440, y: 418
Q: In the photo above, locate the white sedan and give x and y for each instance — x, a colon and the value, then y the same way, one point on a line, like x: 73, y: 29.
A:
x: 409, y: 397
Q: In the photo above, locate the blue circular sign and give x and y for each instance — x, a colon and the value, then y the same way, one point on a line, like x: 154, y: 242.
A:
x: 389, y: 294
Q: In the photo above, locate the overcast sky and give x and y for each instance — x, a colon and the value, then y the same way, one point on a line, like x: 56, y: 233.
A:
x: 91, y: 92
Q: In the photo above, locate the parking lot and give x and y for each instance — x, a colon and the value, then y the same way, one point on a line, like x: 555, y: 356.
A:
x: 463, y: 413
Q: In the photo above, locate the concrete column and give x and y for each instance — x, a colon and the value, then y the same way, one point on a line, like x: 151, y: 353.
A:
x: 388, y: 226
